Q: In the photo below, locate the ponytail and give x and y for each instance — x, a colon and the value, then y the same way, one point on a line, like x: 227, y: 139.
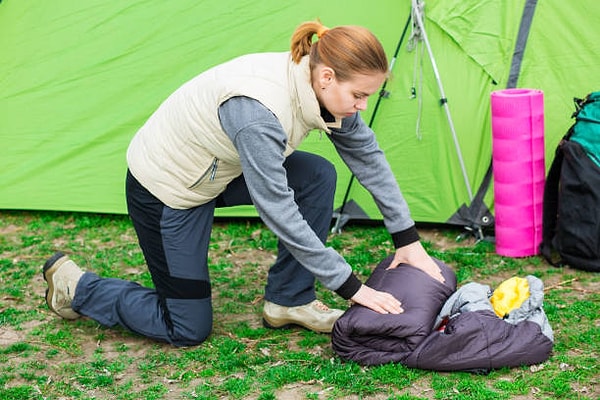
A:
x: 302, y: 39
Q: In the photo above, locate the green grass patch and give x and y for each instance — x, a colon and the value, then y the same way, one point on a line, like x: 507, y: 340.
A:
x: 45, y: 357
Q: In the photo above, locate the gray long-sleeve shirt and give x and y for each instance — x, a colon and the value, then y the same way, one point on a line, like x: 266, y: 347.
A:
x: 260, y: 141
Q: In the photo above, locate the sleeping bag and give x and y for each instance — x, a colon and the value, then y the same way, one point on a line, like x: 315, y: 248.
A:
x: 442, y: 328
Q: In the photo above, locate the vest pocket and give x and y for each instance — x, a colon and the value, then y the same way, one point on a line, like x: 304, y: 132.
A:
x: 209, y: 174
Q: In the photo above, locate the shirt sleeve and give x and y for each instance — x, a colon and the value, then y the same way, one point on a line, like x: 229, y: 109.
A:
x: 260, y: 141
x: 356, y: 144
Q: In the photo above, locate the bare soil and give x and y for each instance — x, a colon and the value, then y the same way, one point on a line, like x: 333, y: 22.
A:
x: 138, y: 346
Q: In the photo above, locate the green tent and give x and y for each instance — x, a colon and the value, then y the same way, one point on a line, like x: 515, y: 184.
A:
x: 77, y: 78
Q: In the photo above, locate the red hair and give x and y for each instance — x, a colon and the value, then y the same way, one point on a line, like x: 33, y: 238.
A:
x: 348, y: 50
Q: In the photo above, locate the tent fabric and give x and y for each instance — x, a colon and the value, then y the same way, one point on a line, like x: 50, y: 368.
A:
x: 79, y: 78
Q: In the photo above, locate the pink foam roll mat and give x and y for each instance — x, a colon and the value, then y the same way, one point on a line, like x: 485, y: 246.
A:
x: 519, y: 170
x: 520, y: 245
x: 521, y: 214
x: 514, y: 196
x: 511, y: 172
x: 517, y: 150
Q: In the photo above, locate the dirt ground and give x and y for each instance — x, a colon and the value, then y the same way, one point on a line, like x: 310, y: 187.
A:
x: 438, y: 238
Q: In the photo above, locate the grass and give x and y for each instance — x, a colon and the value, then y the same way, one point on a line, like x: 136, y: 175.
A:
x: 44, y: 357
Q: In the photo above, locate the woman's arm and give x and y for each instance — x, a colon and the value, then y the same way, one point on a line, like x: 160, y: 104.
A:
x: 357, y: 145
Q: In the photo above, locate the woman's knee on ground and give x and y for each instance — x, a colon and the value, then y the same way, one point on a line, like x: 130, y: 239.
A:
x: 190, y: 321
x: 190, y: 338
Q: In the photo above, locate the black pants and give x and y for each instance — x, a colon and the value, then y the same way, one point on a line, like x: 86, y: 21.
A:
x: 175, y: 245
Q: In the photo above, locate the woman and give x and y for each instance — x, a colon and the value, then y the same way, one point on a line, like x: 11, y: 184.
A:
x: 228, y: 137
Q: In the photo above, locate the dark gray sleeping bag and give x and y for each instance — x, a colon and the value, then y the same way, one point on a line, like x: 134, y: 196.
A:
x: 370, y: 338
x: 471, y: 338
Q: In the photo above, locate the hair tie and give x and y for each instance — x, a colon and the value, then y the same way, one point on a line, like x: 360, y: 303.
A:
x: 322, y: 31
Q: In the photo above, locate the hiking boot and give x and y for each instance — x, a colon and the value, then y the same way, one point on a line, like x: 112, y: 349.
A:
x: 62, y: 275
x: 315, y: 316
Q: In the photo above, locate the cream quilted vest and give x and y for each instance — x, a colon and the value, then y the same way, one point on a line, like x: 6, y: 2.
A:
x: 182, y: 155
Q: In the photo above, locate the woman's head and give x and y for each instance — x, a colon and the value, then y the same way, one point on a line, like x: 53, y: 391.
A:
x: 347, y: 63
x: 348, y: 50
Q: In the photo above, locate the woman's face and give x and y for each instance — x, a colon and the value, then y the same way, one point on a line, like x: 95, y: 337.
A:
x: 344, y: 98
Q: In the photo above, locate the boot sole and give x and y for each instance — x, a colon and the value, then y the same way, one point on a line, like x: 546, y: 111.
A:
x: 49, y: 268
x: 50, y: 263
x: 291, y: 325
x: 266, y: 324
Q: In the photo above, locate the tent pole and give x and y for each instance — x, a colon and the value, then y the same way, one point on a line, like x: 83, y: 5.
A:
x: 477, y: 214
x: 337, y: 228
x: 443, y: 100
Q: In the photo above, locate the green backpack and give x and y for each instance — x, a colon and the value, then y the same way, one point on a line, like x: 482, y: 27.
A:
x: 586, y: 130
x: 571, y: 208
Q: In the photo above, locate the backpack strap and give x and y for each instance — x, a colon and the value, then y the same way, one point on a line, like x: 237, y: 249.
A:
x: 550, y: 203
x: 582, y: 102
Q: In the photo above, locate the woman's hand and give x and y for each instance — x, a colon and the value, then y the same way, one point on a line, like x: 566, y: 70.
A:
x: 414, y: 254
x: 381, y: 302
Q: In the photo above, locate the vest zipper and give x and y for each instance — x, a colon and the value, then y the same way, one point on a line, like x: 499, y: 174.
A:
x: 211, y: 172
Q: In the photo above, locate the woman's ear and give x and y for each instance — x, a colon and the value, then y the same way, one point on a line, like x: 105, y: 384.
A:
x: 326, y: 76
